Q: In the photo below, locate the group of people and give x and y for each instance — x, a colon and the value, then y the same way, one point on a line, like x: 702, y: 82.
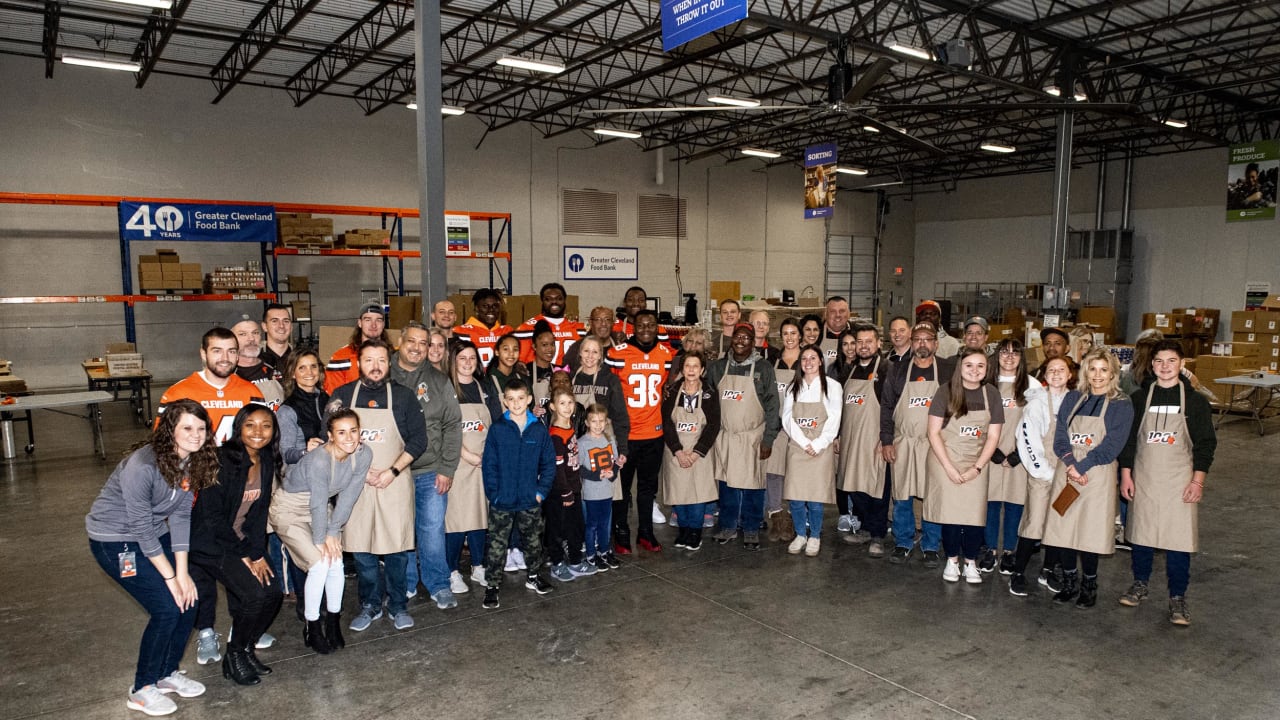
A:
x: 526, y: 445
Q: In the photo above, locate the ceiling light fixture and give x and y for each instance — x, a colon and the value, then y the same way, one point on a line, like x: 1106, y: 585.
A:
x: 733, y: 101
x: 851, y: 170
x: 1171, y: 122
x: 911, y: 50
x: 870, y: 128
x: 102, y: 63
x: 756, y: 152
x: 997, y: 147
x: 444, y: 109
x: 611, y: 132
x: 1052, y: 90
x: 542, y: 66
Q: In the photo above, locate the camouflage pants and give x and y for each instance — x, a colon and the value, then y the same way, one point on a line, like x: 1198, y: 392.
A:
x: 500, y: 523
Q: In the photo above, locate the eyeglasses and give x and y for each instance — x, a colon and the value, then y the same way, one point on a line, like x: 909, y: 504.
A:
x: 1013, y: 353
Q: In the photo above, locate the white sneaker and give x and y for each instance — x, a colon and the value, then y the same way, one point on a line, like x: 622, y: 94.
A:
x: 845, y: 523
x: 675, y: 520
x: 264, y: 642
x: 971, y: 574
x: 812, y: 546
x: 515, y: 560
x: 658, y: 517
x: 456, y: 583
x: 477, y: 576
x: 797, y: 545
x: 178, y: 682
x: 951, y: 573
x: 207, y: 647
x: 151, y: 701
x: 854, y: 524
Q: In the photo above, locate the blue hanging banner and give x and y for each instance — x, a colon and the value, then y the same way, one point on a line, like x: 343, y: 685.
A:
x: 684, y: 20
x: 178, y: 222
x: 820, y: 181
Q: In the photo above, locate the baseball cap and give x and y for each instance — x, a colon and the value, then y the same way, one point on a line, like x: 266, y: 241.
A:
x: 979, y: 321
x: 1054, y: 331
x: 928, y: 304
x: 238, y: 318
x: 924, y: 327
x: 370, y: 308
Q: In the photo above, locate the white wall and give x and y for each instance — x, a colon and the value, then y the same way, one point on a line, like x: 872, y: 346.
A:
x: 91, y: 132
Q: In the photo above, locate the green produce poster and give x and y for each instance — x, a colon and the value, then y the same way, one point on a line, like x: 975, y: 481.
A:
x: 1251, y: 181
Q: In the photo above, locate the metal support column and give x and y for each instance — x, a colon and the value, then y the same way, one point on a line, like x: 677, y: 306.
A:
x: 1100, y: 206
x: 430, y: 151
x: 1061, y: 196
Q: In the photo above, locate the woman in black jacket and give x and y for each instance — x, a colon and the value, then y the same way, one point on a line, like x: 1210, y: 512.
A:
x: 229, y: 537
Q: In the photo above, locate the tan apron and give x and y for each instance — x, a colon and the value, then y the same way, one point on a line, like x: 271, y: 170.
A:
x: 688, y: 486
x: 468, y: 509
x: 1035, y: 511
x: 587, y: 400
x: 290, y: 515
x: 540, y: 384
x: 861, y: 467
x: 777, y: 462
x: 382, y: 519
x: 911, y: 436
x: 1008, y: 484
x: 809, y: 478
x: 1158, y: 517
x: 1089, y: 525
x: 737, y: 449
x: 946, y: 502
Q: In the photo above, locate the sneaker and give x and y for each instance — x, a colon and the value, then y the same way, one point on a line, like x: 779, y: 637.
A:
x: 536, y: 583
x: 658, y: 517
x: 490, y: 598
x: 1136, y: 593
x: 515, y: 560
x: 1121, y: 542
x: 725, y: 536
x: 875, y: 549
x: 951, y: 573
x: 797, y: 545
x: 1018, y: 585
x: 583, y: 569
x: 1178, y: 613
x: 1006, y: 563
x: 971, y: 573
x: 845, y: 524
x: 264, y: 642
x: 403, y: 620
x: 812, y: 547
x: 987, y: 561
x: 444, y: 600
x: 365, y: 618
x: 477, y: 575
x: 855, y: 524
x: 751, y: 540
x: 694, y: 543
x: 900, y: 555
x: 650, y: 544
x: 611, y: 560
x: 560, y: 572
x: 151, y: 701
x: 411, y: 594
x: 674, y: 522
x: 930, y: 559
x: 682, y: 541
x: 457, y: 584
x: 207, y: 648
x: 856, y: 537
x: 1052, y: 579
x: 179, y: 683
x: 708, y: 521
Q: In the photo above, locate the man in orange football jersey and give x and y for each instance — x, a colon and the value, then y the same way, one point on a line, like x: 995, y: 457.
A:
x: 216, y: 386
x: 566, y: 331
x: 485, y: 328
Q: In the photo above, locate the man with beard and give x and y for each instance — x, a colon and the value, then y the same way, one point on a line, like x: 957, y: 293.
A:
x: 861, y: 470
x: 380, y: 529
x: 566, y: 331
x: 249, y: 364
x: 905, y: 396
x: 930, y: 311
x: 749, y: 422
x: 342, y: 368
x: 485, y: 328
x: 899, y: 339
x: 433, y: 470
x: 1054, y: 343
x: 277, y: 323
x: 600, y: 325
x: 216, y: 387
x: 835, y: 321
x: 634, y: 300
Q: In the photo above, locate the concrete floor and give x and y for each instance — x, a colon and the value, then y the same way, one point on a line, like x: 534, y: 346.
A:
x: 716, y: 634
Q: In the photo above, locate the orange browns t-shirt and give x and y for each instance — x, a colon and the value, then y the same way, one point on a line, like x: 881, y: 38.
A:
x: 628, y: 329
x: 567, y: 333
x: 484, y: 339
x: 342, y: 368
x: 222, y: 405
x: 643, y: 375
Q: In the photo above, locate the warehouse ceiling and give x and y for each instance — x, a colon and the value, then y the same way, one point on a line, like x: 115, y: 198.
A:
x: 1211, y: 64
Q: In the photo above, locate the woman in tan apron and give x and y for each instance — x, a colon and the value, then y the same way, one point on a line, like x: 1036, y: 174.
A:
x: 739, y: 467
x: 1093, y: 427
x: 811, y: 419
x: 467, y: 515
x: 775, y: 469
x: 690, y: 424
x: 540, y: 369
x: 965, y: 419
x: 1006, y: 478
x: 1034, y: 436
x: 1162, y: 474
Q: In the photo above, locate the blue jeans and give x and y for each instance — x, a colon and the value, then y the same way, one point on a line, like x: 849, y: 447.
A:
x: 904, y: 528
x: 690, y: 516
x: 475, y: 539
x: 1012, y: 518
x: 1177, y: 566
x: 807, y: 518
x: 374, y: 584
x: 430, y: 565
x: 168, y: 629
x: 741, y: 509
x: 598, y: 518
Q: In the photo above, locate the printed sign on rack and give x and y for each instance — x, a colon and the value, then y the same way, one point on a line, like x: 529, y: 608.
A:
x: 197, y: 223
x: 601, y: 263
x: 820, y: 181
x: 457, y: 233
x: 684, y: 20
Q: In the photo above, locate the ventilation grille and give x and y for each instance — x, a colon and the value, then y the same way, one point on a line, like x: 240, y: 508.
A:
x: 658, y: 216
x: 588, y: 212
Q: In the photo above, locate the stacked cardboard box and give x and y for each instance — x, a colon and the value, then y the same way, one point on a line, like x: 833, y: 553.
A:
x: 366, y: 238
x: 166, y: 271
x: 302, y: 230
x: 234, y: 279
x: 123, y: 359
x: 1260, y: 327
x: 1101, y: 319
x: 1195, y: 327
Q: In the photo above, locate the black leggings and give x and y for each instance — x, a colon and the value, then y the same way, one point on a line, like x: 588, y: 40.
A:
x: 1027, y: 548
x: 253, y: 606
x: 1088, y: 561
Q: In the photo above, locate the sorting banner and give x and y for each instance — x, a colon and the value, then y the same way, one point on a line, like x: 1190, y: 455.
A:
x: 820, y: 181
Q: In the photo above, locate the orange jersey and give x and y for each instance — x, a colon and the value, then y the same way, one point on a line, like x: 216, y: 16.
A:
x: 643, y: 375
x: 567, y: 333
x: 343, y: 367
x: 484, y: 339
x: 221, y: 404
x: 628, y: 329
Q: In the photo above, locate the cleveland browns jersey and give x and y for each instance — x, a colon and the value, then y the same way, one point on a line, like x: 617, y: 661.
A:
x: 643, y: 374
x: 567, y: 333
x: 484, y: 339
x: 221, y: 404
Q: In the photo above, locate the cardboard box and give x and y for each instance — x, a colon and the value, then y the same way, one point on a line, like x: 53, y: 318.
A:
x: 1000, y: 331
x: 403, y: 308
x: 1157, y: 321
x: 462, y: 303
x: 1104, y: 316
x: 168, y: 256
x: 1272, y: 302
x: 192, y: 283
x: 301, y: 310
x: 1246, y: 349
x: 1263, y: 321
x: 333, y: 337
x: 298, y: 283
x: 124, y: 363
x: 570, y: 307
x: 727, y: 290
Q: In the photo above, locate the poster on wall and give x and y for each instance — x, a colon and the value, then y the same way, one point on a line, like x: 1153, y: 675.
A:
x: 1256, y: 292
x: 1251, y: 181
x: 457, y: 235
x: 582, y: 262
x: 684, y: 20
x: 819, y: 181
x: 197, y: 222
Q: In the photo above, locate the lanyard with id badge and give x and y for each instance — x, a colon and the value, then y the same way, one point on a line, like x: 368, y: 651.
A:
x: 128, y: 564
